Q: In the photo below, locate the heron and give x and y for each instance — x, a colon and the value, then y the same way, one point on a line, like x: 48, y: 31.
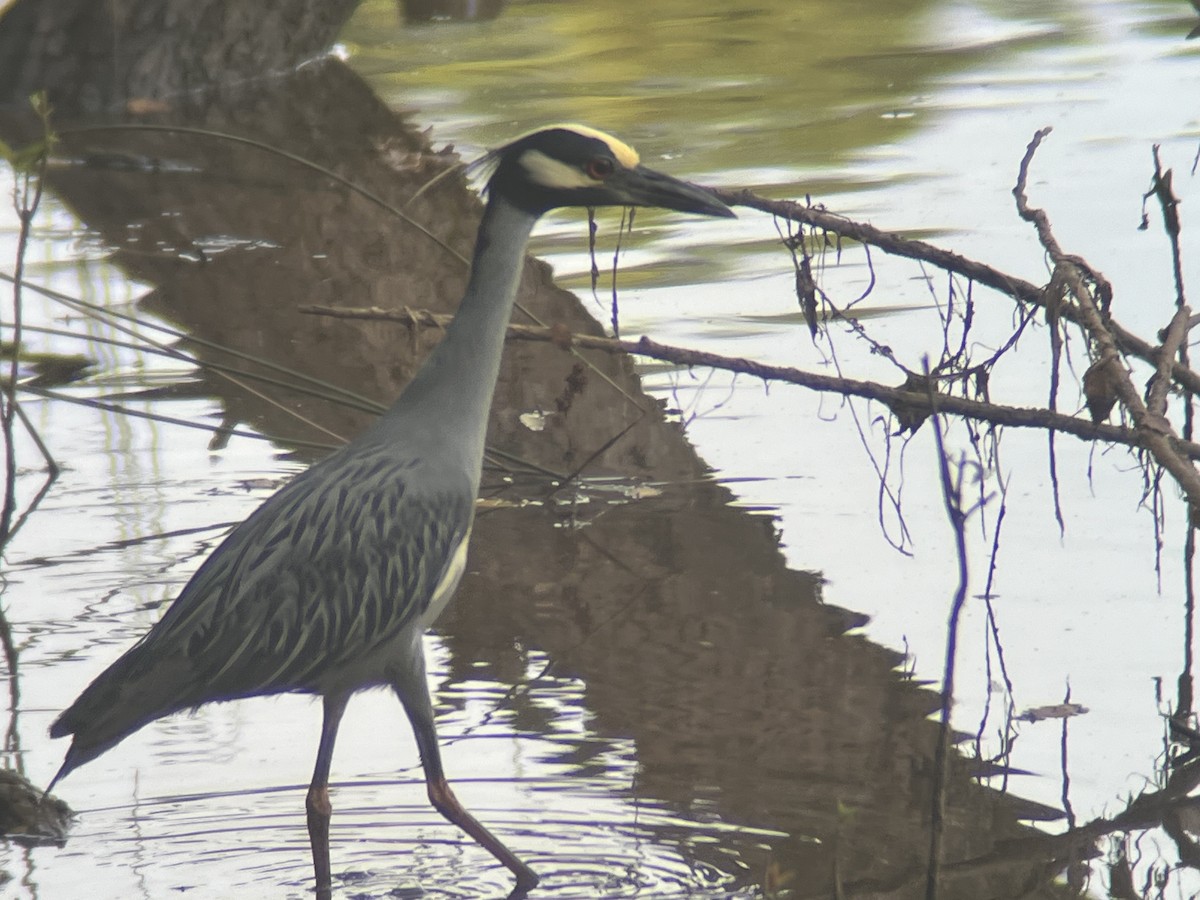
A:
x: 328, y: 587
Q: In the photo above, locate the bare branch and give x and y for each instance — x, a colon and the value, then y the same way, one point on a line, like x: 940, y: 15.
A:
x: 1154, y: 431
x: 895, y: 398
x: 894, y: 244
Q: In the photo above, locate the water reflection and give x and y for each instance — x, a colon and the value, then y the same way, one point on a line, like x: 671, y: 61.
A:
x: 812, y: 85
x: 639, y: 692
x: 416, y: 11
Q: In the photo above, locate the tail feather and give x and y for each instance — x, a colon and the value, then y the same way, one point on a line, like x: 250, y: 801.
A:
x: 122, y: 699
x: 72, y: 760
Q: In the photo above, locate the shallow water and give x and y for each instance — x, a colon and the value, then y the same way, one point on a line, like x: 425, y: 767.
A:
x: 704, y: 713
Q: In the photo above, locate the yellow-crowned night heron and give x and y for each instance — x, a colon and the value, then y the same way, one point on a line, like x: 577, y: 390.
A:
x: 328, y: 586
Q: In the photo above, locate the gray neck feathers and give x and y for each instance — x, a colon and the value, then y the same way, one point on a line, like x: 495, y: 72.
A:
x: 446, y: 405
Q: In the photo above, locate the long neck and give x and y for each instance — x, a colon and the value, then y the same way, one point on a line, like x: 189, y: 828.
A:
x: 452, y: 392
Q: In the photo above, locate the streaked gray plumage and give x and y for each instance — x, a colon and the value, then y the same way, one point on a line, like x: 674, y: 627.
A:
x: 255, y: 620
x: 328, y: 587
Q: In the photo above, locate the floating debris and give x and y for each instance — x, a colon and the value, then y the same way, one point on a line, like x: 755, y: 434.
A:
x: 28, y: 816
x: 1054, y: 711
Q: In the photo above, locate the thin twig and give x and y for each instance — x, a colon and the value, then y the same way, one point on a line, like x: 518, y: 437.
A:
x: 1054, y: 303
x: 615, y: 314
x: 27, y: 197
x: 993, y: 640
x: 170, y: 420
x: 952, y: 499
x: 996, y: 414
x: 1161, y: 187
x: 320, y: 389
x: 1065, y: 770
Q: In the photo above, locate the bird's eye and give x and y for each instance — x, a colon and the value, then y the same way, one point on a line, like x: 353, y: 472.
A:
x: 599, y: 168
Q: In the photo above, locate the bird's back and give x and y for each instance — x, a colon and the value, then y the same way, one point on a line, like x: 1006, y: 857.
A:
x: 339, y: 563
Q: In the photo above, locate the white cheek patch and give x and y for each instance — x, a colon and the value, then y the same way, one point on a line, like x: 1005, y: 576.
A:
x: 548, y: 172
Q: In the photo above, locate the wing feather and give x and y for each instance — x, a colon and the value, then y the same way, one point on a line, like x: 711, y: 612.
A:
x: 333, y: 566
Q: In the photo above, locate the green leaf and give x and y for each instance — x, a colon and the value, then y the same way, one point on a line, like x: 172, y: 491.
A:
x: 40, y: 104
x: 23, y: 159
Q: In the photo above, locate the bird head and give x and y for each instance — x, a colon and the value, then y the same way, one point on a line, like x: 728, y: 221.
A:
x: 573, y: 165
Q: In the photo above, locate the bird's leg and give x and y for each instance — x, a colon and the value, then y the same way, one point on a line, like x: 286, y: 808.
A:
x: 414, y: 694
x: 319, y: 808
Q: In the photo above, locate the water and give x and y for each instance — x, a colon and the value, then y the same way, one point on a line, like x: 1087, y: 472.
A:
x: 704, y: 716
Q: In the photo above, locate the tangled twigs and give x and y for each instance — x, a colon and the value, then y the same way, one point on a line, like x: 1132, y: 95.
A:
x: 953, y: 500
x: 1024, y: 291
x: 912, y: 401
x: 1153, y: 430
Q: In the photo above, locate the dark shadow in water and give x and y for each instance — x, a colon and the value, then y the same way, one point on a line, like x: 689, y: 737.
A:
x: 746, y: 696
